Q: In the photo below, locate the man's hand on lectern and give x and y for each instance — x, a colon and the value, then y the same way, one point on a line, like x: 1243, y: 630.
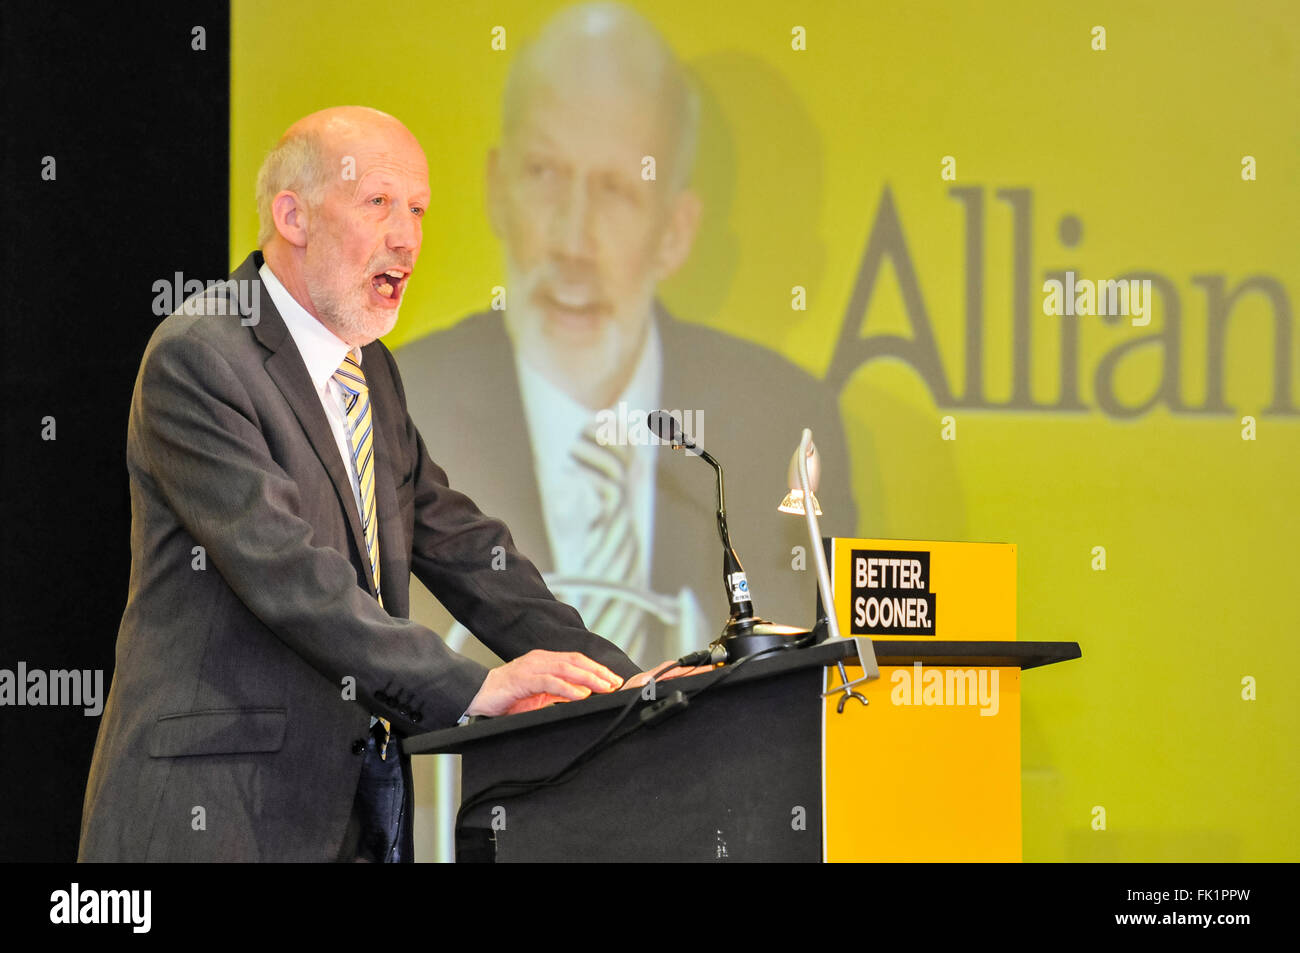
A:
x: 533, y: 702
x: 677, y: 671
x: 539, y: 678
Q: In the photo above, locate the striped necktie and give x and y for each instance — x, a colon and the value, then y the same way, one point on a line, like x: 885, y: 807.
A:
x: 362, y: 442
x: 611, y: 549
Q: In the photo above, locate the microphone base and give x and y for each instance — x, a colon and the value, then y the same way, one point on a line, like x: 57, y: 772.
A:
x: 745, y: 637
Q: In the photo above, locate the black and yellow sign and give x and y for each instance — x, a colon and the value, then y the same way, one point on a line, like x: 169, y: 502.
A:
x: 891, y: 594
x: 909, y: 589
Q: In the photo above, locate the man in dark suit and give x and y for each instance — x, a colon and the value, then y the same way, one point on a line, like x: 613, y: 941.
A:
x: 589, y: 193
x: 463, y: 390
x: 281, y: 497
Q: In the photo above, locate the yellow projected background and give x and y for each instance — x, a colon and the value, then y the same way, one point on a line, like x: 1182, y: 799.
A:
x: 1107, y: 162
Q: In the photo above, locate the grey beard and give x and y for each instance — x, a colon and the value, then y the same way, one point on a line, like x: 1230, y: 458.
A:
x: 356, y: 325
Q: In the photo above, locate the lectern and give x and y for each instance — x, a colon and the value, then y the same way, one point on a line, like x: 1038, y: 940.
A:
x: 754, y: 764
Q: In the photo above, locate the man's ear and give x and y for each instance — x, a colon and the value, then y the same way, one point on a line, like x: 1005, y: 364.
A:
x: 290, y: 214
x: 679, y: 233
x: 496, y: 198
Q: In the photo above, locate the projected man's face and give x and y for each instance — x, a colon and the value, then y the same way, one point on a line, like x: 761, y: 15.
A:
x: 586, y: 235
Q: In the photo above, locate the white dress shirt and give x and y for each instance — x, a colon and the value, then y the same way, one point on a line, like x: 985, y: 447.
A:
x: 323, y: 352
x: 555, y: 422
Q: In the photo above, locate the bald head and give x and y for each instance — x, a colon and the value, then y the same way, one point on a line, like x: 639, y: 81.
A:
x: 339, y: 126
x: 606, y: 48
x: 309, y: 156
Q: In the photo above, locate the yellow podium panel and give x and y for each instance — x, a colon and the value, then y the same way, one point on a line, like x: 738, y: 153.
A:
x: 908, y: 589
x: 928, y: 771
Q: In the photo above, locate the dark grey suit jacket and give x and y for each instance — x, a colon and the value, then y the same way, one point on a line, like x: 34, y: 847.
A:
x: 247, y: 670
x: 464, y: 395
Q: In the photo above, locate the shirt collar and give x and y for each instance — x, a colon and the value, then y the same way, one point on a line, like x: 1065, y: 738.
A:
x: 555, y: 420
x: 321, y: 349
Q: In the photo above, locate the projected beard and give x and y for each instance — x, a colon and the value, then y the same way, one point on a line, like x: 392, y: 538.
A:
x: 570, y: 329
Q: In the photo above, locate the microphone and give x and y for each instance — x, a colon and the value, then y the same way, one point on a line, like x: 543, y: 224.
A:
x: 744, y: 632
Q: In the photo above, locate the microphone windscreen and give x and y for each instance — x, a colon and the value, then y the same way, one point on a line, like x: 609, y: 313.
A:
x: 664, y: 426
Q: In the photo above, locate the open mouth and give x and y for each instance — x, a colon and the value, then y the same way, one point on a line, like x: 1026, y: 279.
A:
x: 390, y: 284
x: 572, y: 305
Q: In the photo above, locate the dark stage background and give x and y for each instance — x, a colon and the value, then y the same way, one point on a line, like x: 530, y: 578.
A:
x: 137, y: 122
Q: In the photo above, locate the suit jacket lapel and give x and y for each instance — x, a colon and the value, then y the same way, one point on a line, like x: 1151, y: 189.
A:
x: 506, y: 446
x: 286, y: 368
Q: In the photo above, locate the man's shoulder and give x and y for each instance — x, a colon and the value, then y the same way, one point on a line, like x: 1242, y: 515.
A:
x: 210, y: 321
x: 465, y: 365
x: 699, y: 362
x: 483, y: 331
x: 735, y: 378
x: 231, y: 321
x: 682, y: 341
x: 726, y: 354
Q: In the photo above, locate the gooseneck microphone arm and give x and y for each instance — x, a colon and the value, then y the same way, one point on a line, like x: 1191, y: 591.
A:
x: 745, y: 635
x: 734, y: 582
x: 723, y: 533
x: 722, y: 492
